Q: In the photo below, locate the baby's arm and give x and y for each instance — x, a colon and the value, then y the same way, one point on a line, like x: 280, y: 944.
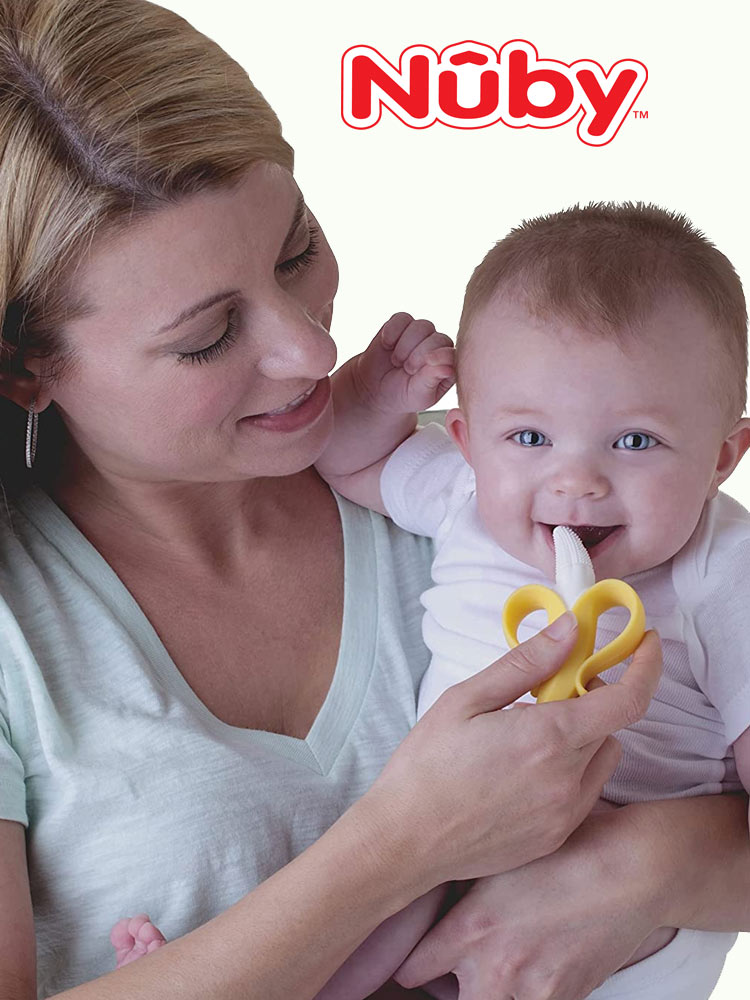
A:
x: 407, y: 367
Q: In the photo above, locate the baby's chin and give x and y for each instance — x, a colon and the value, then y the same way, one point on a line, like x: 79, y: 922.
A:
x: 623, y: 565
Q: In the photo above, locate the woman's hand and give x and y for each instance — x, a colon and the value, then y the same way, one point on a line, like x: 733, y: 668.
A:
x: 554, y: 928
x: 473, y: 790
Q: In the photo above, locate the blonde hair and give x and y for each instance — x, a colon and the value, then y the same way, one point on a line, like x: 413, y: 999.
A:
x: 605, y: 266
x: 109, y: 110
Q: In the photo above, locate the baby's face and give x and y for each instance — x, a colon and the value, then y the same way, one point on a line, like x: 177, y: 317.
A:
x: 565, y: 427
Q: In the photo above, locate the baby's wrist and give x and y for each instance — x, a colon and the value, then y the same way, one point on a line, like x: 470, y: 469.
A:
x: 363, y: 388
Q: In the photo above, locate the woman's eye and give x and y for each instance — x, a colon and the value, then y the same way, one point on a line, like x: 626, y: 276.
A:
x: 214, y: 350
x: 530, y: 439
x: 304, y: 259
x: 635, y: 441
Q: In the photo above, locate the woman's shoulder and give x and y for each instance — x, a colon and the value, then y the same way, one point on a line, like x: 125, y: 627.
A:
x: 387, y: 570
x: 43, y: 565
x: 15, y: 554
x: 403, y: 559
x: 25, y: 536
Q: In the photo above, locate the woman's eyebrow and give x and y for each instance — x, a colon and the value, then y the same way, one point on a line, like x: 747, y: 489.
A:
x: 212, y: 300
x: 199, y: 307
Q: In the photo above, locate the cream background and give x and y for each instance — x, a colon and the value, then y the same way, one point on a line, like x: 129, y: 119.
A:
x: 410, y: 212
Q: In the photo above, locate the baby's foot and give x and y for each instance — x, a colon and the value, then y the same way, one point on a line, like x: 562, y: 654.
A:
x: 134, y: 937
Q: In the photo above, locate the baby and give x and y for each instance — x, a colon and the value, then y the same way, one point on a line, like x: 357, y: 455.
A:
x: 601, y: 363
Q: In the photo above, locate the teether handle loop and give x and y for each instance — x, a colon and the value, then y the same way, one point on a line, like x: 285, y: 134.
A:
x: 602, y: 597
x: 523, y: 602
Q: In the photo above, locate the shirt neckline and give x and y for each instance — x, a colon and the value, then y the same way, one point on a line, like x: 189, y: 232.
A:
x: 357, y: 648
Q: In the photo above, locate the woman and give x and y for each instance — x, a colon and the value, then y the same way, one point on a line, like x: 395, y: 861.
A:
x: 207, y: 657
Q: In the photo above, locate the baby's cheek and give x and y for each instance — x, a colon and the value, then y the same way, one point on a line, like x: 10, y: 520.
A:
x: 506, y: 517
x: 500, y: 507
x: 668, y: 515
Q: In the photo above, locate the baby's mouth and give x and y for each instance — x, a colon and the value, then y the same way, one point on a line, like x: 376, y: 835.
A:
x: 590, y: 534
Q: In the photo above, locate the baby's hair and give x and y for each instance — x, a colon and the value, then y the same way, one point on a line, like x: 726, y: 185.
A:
x: 605, y: 266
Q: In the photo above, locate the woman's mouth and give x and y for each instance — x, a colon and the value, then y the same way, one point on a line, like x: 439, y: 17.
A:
x: 299, y: 412
x: 297, y: 401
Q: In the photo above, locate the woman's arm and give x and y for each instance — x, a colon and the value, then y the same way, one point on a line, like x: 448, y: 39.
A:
x: 524, y: 783
x: 696, y: 851
x: 287, y: 936
x: 564, y: 923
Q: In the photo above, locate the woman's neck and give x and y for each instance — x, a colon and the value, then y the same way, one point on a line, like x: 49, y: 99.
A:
x: 206, y: 527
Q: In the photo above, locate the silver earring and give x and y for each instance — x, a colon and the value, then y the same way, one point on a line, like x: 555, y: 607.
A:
x: 31, y: 431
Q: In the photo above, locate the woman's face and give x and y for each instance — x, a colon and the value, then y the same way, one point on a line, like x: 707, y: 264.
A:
x: 207, y: 319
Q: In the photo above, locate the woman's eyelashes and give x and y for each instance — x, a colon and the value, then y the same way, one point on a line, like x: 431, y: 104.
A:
x: 302, y: 260
x: 293, y: 265
x: 218, y: 347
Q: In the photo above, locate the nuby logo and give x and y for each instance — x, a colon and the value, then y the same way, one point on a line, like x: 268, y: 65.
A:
x: 471, y: 85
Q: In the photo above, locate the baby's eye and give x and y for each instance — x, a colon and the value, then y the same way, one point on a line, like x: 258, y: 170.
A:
x: 635, y: 441
x: 530, y: 439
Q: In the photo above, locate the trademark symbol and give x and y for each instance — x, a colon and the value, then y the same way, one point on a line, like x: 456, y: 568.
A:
x: 640, y: 114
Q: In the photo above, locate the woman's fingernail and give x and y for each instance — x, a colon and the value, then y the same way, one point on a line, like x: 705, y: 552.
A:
x: 561, y: 626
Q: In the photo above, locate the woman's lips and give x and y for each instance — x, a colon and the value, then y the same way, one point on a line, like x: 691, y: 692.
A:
x: 294, y: 415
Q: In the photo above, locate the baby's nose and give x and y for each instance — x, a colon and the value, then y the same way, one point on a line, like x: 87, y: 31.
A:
x: 579, y: 480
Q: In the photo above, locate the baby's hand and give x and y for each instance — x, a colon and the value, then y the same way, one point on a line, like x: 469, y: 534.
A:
x: 133, y: 937
x: 408, y: 366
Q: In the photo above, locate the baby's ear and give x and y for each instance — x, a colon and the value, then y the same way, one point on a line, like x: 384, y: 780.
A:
x: 458, y: 429
x: 734, y: 447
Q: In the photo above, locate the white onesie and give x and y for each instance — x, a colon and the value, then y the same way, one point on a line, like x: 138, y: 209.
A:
x: 698, y: 601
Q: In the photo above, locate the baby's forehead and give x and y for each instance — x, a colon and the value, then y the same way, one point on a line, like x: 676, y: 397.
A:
x: 672, y: 319
x: 510, y: 323
x: 508, y: 342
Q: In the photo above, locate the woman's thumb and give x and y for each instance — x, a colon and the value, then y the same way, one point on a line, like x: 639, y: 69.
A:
x: 520, y: 669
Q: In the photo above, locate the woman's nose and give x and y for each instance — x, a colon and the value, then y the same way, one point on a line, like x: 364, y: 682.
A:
x: 294, y: 343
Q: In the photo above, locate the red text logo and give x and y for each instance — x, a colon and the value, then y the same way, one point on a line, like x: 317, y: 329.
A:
x: 471, y: 85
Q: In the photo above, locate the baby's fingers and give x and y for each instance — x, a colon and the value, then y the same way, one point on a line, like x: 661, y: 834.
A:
x: 391, y: 330
x: 437, y: 349
x: 415, y: 334
x: 436, y: 377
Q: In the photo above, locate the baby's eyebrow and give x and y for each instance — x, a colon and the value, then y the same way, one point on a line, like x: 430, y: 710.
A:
x: 517, y: 411
x: 647, y: 412
x: 634, y: 415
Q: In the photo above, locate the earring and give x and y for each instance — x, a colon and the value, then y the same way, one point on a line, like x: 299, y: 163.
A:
x: 31, y: 431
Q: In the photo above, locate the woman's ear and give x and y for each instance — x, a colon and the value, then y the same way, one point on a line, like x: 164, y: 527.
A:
x: 458, y: 429
x: 20, y: 389
x: 733, y: 448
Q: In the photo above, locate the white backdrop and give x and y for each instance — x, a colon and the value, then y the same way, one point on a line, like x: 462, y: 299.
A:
x: 410, y: 212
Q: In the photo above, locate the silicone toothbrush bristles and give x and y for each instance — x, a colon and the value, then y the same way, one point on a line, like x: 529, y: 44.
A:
x: 569, y: 549
x: 574, y: 572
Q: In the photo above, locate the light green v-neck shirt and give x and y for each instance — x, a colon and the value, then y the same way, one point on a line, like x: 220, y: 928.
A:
x: 136, y: 798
